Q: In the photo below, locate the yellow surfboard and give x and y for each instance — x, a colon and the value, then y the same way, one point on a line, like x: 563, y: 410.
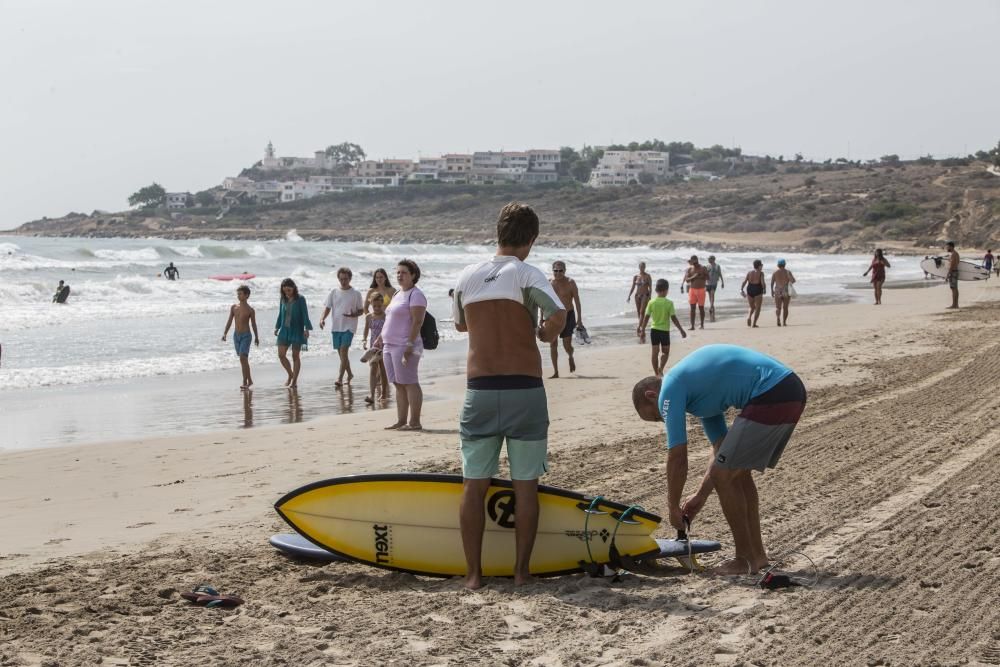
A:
x: 409, y: 522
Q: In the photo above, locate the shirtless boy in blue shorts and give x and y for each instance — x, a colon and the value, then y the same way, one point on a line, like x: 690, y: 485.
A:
x: 705, y: 384
x: 246, y: 319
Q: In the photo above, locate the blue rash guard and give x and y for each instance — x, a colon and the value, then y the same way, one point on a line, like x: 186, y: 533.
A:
x: 711, y: 380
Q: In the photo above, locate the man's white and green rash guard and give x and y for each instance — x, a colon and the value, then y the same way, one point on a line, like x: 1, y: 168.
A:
x: 711, y: 380
x: 508, y: 278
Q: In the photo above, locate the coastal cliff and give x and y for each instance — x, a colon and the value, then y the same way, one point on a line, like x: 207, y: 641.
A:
x: 908, y: 208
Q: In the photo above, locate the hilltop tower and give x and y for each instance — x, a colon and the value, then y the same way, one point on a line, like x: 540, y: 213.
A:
x: 269, y: 161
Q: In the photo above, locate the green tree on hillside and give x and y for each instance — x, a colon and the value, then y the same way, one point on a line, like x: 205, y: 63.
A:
x: 568, y: 157
x: 205, y: 198
x: 346, y: 153
x: 150, y: 196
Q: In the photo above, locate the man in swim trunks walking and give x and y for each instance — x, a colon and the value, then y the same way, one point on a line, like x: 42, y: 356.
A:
x: 715, y: 280
x: 696, y: 278
x: 642, y: 285
x: 496, y: 303
x: 705, y: 384
x: 953, y: 260
x: 565, y: 288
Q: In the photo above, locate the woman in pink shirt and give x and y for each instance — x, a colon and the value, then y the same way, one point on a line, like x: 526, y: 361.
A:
x: 402, y: 346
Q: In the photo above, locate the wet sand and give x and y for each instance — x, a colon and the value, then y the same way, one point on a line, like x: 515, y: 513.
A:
x: 889, y: 486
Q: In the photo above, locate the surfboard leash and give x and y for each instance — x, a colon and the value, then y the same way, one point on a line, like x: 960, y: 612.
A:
x: 771, y: 580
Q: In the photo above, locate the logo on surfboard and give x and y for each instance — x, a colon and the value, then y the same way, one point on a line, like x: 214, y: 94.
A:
x: 501, y: 508
x: 381, y: 544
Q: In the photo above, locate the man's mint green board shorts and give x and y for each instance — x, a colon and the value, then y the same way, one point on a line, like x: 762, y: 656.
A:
x: 490, y: 416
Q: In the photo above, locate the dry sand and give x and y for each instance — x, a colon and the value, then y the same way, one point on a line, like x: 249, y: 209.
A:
x: 890, y: 485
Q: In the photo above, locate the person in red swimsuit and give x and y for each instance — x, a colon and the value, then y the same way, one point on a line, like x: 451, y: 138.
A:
x: 877, y: 269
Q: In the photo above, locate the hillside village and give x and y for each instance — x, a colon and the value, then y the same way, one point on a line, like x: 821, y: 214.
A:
x: 276, y: 179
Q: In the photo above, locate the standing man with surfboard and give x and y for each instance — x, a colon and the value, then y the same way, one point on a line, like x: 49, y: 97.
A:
x: 496, y: 302
x: 953, y: 260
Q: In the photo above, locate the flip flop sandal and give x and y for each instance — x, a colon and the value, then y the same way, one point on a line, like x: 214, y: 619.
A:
x: 208, y: 596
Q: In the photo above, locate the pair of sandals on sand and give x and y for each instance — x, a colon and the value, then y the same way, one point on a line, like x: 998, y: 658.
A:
x: 209, y: 597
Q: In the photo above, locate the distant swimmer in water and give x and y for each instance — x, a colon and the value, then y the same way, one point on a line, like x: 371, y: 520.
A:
x: 642, y: 285
x: 62, y: 293
x: 171, y: 272
x: 706, y: 384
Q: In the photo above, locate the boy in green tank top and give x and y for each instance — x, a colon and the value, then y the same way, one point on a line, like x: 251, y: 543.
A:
x: 660, y: 311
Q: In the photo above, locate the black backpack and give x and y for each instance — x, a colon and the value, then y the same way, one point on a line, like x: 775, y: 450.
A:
x: 429, y: 332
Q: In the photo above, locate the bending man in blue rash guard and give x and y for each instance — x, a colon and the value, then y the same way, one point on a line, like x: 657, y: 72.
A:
x: 705, y: 384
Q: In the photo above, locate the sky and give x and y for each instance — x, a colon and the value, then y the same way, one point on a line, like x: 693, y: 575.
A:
x: 102, y: 98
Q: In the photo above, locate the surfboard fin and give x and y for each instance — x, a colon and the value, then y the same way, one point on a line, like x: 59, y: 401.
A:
x: 690, y: 562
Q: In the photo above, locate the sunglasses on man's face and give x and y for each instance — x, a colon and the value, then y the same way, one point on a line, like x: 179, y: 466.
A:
x: 558, y: 270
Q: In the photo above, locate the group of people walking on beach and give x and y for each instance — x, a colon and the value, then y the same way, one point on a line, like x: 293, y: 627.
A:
x: 392, y: 334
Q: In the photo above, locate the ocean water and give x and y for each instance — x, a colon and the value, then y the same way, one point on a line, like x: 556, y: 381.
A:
x: 124, y: 323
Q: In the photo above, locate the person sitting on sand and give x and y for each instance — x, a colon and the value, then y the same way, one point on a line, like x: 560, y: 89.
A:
x: 380, y: 285
x: 497, y: 302
x: 753, y: 289
x: 781, y: 283
x: 344, y: 304
x: 877, y: 268
x: 705, y: 384
x: 376, y: 367
x: 567, y: 291
x: 660, y: 311
x: 246, y: 319
x: 292, y: 329
x: 696, y: 278
x: 642, y: 285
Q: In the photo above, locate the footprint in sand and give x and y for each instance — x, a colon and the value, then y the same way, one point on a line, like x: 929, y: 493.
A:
x: 57, y: 540
x: 140, y: 524
x: 518, y: 625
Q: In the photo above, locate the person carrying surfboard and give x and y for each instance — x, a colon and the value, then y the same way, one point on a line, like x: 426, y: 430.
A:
x: 706, y: 383
x: 953, y: 259
x: 496, y: 302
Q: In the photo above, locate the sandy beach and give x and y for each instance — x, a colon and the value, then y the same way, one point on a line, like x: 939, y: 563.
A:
x: 889, y: 485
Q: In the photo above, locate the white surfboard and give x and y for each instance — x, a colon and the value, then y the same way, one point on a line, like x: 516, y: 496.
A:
x: 938, y: 266
x: 409, y: 522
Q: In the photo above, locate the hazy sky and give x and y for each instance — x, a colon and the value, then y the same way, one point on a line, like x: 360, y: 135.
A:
x: 101, y: 98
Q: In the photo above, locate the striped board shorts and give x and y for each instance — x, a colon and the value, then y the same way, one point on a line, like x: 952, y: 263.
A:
x: 762, y: 429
